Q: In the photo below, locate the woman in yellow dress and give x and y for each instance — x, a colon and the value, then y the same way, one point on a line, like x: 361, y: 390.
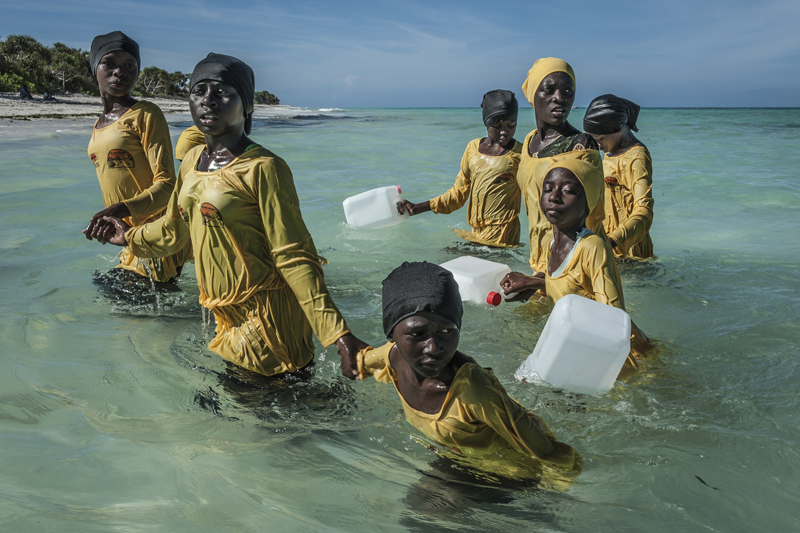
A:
x: 446, y: 394
x: 578, y: 260
x: 487, y: 179
x: 257, y: 266
x: 132, y: 152
x: 628, y: 170
x: 550, y: 89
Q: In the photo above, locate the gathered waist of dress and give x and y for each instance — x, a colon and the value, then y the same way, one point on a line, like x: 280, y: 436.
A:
x: 215, y: 301
x: 484, y: 223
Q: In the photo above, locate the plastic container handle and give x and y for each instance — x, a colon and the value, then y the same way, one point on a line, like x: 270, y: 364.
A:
x: 494, y: 298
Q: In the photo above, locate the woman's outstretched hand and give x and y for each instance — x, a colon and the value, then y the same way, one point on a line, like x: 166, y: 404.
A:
x: 108, y: 230
x: 119, y: 210
x: 349, y: 345
x: 521, y: 286
x: 413, y: 209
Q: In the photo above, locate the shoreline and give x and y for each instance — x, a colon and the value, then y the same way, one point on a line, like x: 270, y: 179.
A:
x: 70, y: 106
x: 21, y: 119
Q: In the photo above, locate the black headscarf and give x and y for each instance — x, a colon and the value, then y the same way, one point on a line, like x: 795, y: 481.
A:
x: 112, y: 42
x: 499, y: 104
x: 233, y: 72
x: 415, y: 287
x: 609, y: 114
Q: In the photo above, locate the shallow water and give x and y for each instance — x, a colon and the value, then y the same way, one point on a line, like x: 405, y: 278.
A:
x: 115, y: 417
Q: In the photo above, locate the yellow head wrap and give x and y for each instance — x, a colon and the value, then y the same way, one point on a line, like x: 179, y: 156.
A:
x: 540, y: 70
x: 590, y: 176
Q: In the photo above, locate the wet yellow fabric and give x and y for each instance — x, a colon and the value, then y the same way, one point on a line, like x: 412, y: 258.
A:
x: 190, y: 138
x: 540, y: 70
x: 591, y: 272
x: 479, y: 419
x: 133, y: 159
x: 489, y: 184
x: 530, y: 176
x: 257, y: 266
x: 629, y: 202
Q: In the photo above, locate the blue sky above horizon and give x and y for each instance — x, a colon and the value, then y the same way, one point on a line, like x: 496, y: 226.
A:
x: 449, y: 53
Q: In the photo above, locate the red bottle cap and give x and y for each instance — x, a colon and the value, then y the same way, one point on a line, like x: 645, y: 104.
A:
x: 494, y: 298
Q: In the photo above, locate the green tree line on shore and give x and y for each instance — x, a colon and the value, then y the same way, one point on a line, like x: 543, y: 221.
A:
x: 25, y: 62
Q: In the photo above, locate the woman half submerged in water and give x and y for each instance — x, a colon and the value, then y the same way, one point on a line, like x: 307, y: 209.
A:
x: 487, y: 179
x: 550, y: 89
x: 257, y: 266
x: 132, y: 153
x: 578, y: 260
x: 446, y: 394
x: 628, y: 171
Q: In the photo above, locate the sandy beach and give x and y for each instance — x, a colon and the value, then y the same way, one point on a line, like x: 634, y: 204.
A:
x: 69, y: 106
x: 24, y: 118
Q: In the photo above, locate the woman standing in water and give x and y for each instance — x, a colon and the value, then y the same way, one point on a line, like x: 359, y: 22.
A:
x: 257, y: 266
x: 487, y: 178
x: 550, y: 89
x: 132, y: 152
x: 628, y: 171
x: 578, y: 261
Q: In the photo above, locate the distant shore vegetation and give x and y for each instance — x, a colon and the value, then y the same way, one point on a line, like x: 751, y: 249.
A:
x: 25, y: 62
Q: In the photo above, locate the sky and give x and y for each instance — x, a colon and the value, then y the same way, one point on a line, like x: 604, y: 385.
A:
x: 443, y: 53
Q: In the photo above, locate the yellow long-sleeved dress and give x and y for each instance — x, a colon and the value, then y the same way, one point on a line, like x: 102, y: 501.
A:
x: 629, y: 202
x: 530, y: 178
x: 489, y: 184
x: 479, y: 419
x: 590, y: 271
x: 133, y: 158
x: 257, y: 266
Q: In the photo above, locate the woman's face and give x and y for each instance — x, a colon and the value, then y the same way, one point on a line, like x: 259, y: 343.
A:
x: 502, y: 131
x: 427, y: 342
x: 609, y: 142
x: 216, y: 108
x: 563, y: 200
x: 117, y: 73
x: 554, y: 98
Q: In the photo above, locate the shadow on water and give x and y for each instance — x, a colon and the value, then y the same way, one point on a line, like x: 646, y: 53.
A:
x: 291, y: 402
x: 450, y: 494
x: 487, y: 252
x: 133, y: 295
x: 125, y: 286
x: 293, y: 398
x: 651, y: 268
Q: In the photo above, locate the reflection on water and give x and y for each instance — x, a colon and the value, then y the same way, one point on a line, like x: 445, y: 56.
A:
x: 114, y: 415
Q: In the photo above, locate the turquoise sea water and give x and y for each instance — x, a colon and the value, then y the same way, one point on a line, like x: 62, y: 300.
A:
x: 115, y: 417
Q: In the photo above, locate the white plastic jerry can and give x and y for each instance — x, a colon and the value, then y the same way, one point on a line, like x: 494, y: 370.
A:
x: 582, y: 348
x: 376, y: 208
x: 478, y: 280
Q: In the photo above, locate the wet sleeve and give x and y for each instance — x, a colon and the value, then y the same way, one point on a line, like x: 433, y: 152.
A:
x: 157, y: 147
x: 600, y: 273
x: 294, y: 253
x: 164, y: 236
x: 520, y: 428
x: 457, y: 196
x: 638, y: 223
x: 372, y: 362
